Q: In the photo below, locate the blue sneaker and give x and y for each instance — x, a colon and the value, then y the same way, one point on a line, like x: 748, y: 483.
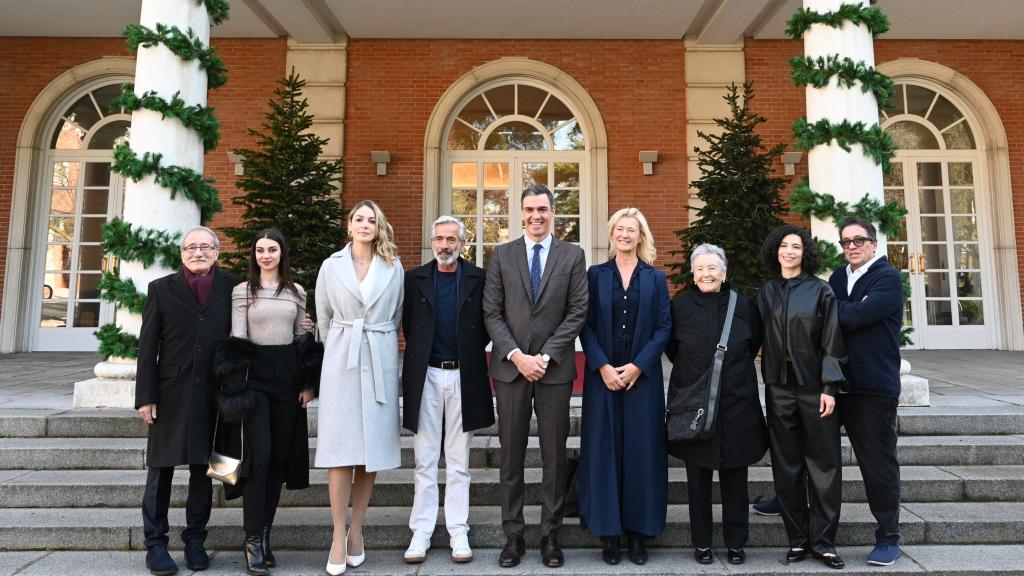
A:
x: 884, y: 554
x: 769, y: 508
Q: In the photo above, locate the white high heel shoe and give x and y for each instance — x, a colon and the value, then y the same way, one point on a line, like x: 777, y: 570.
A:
x: 335, y: 569
x: 356, y: 561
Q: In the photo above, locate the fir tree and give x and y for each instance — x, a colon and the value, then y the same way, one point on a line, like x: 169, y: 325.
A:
x: 741, y: 198
x: 287, y: 186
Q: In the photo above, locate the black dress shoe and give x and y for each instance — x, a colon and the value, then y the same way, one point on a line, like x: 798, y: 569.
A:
x: 515, y: 547
x: 704, y: 555
x: 831, y: 560
x: 797, y: 554
x: 611, y: 551
x: 252, y: 549
x: 550, y: 551
x: 159, y: 562
x: 637, y: 550
x: 268, y: 556
x: 736, y: 555
x: 196, y: 557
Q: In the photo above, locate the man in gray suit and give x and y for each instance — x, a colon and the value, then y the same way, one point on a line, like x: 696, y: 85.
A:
x: 535, y: 304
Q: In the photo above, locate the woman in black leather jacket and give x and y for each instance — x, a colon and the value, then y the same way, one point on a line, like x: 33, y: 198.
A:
x: 801, y: 353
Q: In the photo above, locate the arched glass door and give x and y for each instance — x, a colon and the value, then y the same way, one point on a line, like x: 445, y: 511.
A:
x: 81, y: 195
x: 943, y: 244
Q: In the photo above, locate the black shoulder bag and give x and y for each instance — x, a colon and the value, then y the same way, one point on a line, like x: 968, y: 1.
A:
x: 691, y: 413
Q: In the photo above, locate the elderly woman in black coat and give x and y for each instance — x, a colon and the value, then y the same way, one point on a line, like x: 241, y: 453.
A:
x: 698, y: 318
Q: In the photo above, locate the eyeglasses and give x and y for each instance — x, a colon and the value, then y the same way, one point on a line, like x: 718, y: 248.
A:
x: 857, y: 241
x: 193, y: 248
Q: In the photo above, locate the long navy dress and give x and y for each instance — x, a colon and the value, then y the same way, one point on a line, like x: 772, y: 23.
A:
x: 623, y: 461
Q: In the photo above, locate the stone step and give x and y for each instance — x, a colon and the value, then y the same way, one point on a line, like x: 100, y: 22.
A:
x: 124, y: 488
x: 929, y: 559
x: 129, y: 453
x: 387, y: 527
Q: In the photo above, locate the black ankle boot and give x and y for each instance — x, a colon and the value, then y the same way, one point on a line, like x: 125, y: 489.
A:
x: 268, y: 556
x: 253, y: 552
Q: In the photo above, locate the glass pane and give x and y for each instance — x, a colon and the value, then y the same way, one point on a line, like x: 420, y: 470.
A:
x: 95, y: 201
x: 961, y: 174
x: 488, y: 250
x: 65, y: 173
x: 939, y: 313
x: 567, y: 202
x: 92, y: 229
x: 567, y: 229
x: 58, y: 257
x: 569, y: 137
x: 897, y: 254
x: 966, y: 256
x: 567, y: 175
x: 530, y: 99
x: 959, y: 137
x: 463, y: 174
x: 908, y: 314
x: 913, y: 136
x: 469, y: 252
x: 104, y: 96
x: 502, y: 99
x: 496, y: 175
x: 56, y: 285
x: 62, y: 229
x: 933, y: 228
x: 918, y: 100
x: 54, y: 315
x: 62, y: 201
x: 554, y: 114
x: 895, y: 194
x: 87, y: 315
x: 968, y: 284
x: 972, y: 312
x: 895, y: 103
x: 470, y: 224
x: 83, y: 113
x: 929, y: 174
x: 496, y: 230
x: 463, y: 201
x: 90, y: 257
x: 88, y: 286
x: 931, y: 201
x: 68, y: 136
x: 936, y: 256
x: 895, y: 176
x: 535, y: 173
x: 965, y: 228
x: 97, y: 174
x: 944, y: 113
x: 109, y: 136
x: 477, y: 114
x: 962, y: 201
x: 515, y: 136
x: 936, y: 284
x: 462, y: 137
x: 495, y: 201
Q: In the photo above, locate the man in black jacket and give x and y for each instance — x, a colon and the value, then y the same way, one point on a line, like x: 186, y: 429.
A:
x: 869, y: 293
x: 185, y: 313
x: 445, y: 391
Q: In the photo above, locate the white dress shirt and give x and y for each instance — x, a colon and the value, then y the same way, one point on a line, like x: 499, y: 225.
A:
x: 853, y: 275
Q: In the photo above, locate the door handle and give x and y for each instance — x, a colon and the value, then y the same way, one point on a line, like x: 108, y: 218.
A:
x: 922, y: 263
x: 912, y: 263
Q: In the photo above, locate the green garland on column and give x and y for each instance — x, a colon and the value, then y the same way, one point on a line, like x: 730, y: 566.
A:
x: 184, y: 45
x: 817, y: 72
x: 217, y: 9
x: 121, y: 292
x: 877, y: 143
x: 807, y: 203
x: 196, y: 117
x: 176, y: 179
x: 875, y: 20
x: 116, y: 342
x: 140, y: 244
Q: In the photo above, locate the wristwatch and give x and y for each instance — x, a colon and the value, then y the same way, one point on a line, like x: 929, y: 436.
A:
x: 546, y: 358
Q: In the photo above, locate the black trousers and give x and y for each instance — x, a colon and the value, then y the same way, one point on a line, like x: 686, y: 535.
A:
x: 805, y: 448
x: 870, y: 423
x: 269, y: 434
x: 735, y: 516
x: 157, y: 498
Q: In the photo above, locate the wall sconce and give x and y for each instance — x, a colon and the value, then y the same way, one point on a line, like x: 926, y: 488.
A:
x: 790, y: 160
x: 648, y: 159
x: 381, y: 158
x: 237, y: 161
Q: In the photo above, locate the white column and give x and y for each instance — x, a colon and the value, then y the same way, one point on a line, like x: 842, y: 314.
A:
x: 848, y: 176
x: 147, y: 205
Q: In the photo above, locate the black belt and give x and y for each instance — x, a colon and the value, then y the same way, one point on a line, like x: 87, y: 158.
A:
x: 444, y: 364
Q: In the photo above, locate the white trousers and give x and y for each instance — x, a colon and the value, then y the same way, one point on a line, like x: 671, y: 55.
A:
x: 441, y: 405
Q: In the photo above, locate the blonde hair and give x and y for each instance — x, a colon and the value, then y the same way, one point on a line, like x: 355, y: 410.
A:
x: 645, y: 247
x: 384, y: 242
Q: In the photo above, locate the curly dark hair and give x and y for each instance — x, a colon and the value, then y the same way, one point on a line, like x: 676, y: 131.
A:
x: 770, y: 250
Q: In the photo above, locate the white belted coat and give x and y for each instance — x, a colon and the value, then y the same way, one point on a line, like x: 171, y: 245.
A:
x: 358, y: 418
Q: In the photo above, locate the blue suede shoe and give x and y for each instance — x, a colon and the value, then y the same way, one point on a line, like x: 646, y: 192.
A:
x: 769, y: 508
x: 159, y: 562
x: 196, y: 557
x: 884, y: 554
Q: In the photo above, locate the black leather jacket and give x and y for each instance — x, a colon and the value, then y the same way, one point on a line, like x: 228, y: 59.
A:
x: 801, y: 326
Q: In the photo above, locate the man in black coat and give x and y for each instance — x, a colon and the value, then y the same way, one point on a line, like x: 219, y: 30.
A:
x: 185, y: 313
x: 445, y: 391
x: 869, y: 295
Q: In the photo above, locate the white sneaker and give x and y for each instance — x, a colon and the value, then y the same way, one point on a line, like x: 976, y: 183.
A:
x: 417, y: 550
x: 461, y: 552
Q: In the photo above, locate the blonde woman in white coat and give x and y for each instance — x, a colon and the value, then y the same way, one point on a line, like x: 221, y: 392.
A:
x: 359, y: 307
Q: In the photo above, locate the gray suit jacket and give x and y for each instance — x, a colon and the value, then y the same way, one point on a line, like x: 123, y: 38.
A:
x: 550, y: 325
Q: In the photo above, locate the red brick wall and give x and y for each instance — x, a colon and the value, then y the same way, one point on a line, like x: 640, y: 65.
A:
x: 994, y: 66
x: 29, y: 64
x: 638, y: 86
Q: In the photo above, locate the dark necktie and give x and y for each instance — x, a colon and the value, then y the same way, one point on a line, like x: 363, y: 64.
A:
x: 535, y: 272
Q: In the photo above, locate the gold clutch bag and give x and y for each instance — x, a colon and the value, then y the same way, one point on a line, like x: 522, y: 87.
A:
x: 223, y: 467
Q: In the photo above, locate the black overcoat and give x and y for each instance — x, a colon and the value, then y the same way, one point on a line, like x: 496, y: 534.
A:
x: 418, y: 316
x: 175, y: 366
x: 740, y: 438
